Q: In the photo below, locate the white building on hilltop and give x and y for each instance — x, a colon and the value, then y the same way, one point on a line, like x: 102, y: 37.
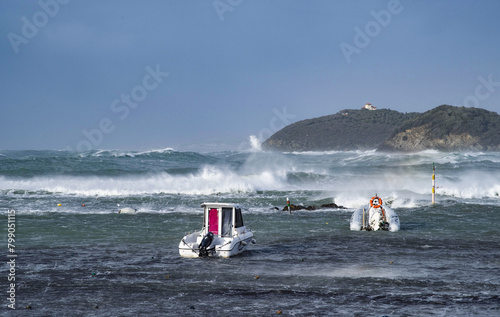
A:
x: 370, y: 107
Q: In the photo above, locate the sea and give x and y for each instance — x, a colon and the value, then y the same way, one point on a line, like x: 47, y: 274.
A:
x: 68, y: 252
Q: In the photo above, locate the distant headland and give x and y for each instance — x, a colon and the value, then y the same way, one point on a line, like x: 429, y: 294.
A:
x: 444, y: 128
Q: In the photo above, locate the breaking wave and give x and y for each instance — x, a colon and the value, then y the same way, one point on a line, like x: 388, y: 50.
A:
x: 208, y: 180
x: 345, y: 178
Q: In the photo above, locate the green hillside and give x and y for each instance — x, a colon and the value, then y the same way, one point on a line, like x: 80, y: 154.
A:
x: 345, y: 130
x: 445, y: 128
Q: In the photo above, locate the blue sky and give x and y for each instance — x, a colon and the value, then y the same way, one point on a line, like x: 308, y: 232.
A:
x: 141, y: 75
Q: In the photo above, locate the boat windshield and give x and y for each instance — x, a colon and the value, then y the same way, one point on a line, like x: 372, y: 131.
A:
x: 239, y: 219
x: 227, y: 221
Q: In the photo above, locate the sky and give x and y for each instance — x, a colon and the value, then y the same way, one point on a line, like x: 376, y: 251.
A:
x: 197, y: 75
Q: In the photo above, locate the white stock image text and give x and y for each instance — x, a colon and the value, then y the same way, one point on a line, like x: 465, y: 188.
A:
x: 121, y: 106
x: 11, y: 257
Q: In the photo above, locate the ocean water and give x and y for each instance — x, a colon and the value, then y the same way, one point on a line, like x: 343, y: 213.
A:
x: 75, y: 260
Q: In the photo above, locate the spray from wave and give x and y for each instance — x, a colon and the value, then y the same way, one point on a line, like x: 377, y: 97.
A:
x: 209, y: 180
x: 255, y: 143
x: 349, y: 179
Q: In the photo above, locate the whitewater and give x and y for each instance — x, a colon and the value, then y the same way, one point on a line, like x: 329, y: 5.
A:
x: 78, y: 256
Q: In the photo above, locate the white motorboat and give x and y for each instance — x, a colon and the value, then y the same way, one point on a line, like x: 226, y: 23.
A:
x: 223, y: 233
x: 375, y: 216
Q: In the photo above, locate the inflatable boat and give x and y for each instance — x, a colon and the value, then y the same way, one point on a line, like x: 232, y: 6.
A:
x: 375, y: 216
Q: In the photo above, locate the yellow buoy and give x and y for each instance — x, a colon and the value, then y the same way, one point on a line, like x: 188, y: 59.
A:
x: 59, y: 205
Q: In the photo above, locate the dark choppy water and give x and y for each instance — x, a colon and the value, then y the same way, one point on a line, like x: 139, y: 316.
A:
x: 91, y: 261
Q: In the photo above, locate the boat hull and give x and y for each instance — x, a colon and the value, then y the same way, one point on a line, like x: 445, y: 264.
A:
x: 224, y: 247
x: 356, y: 222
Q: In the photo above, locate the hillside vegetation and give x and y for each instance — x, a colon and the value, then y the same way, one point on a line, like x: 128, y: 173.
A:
x: 448, y: 128
x: 444, y: 128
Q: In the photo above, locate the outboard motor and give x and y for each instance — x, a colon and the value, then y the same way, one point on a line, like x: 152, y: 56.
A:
x: 205, y: 243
